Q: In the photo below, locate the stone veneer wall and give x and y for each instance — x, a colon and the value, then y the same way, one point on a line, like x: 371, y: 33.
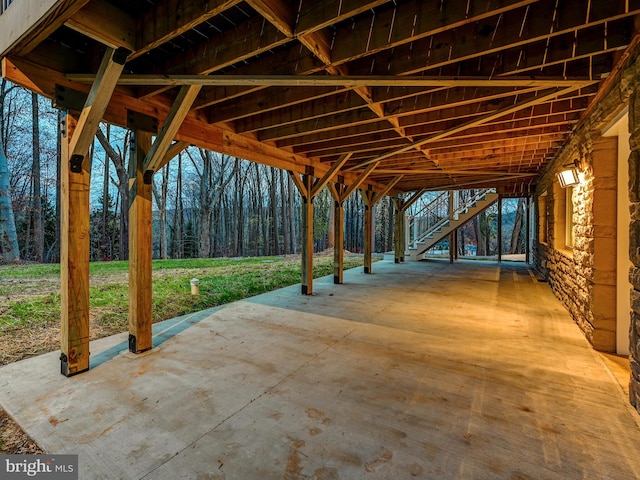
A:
x: 584, y: 278
x: 634, y: 237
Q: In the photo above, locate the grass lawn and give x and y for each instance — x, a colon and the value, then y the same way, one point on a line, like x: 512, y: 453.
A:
x: 30, y: 304
x: 30, y: 294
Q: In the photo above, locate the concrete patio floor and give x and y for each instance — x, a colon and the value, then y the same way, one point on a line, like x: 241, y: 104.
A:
x: 421, y: 370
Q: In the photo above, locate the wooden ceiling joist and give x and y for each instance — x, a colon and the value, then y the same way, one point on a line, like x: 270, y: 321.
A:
x: 482, y: 89
x: 466, y: 126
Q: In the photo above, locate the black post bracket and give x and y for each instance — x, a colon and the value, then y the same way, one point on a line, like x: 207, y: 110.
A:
x: 75, y: 164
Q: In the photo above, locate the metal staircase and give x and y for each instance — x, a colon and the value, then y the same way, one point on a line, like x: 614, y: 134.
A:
x: 436, y: 220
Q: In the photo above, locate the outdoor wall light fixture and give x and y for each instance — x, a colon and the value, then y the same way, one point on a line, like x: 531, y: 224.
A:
x: 569, y: 176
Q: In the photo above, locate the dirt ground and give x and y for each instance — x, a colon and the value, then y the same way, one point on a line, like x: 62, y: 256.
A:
x: 13, y: 441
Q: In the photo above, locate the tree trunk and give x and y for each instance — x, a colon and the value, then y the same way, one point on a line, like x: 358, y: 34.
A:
x: 106, y: 251
x: 163, y: 214
x: 178, y: 219
x: 292, y: 232
x: 273, y: 207
x: 38, y: 231
x: 516, y: 234
x: 480, y: 243
x: 8, y: 234
x: 119, y: 163
x: 161, y: 203
x: 56, y: 256
x: 283, y: 216
x: 205, y: 205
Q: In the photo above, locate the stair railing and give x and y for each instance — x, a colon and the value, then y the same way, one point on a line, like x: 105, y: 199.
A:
x: 4, y: 4
x: 465, y: 200
x: 426, y: 216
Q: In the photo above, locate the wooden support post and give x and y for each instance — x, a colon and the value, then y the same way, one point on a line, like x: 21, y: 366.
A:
x: 307, y: 236
x: 305, y: 187
x: 140, y: 246
x: 337, y: 191
x: 74, y: 257
x: 369, y: 199
x: 452, y: 196
x: 527, y: 234
x: 455, y: 245
x: 75, y: 175
x: 368, y: 232
x: 452, y: 246
x: 499, y: 229
x: 338, y: 242
x: 398, y: 230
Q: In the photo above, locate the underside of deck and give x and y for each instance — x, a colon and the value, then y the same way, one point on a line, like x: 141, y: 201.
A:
x: 421, y: 370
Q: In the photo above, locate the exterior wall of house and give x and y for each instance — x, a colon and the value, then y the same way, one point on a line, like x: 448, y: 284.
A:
x: 579, y: 257
x: 583, y: 275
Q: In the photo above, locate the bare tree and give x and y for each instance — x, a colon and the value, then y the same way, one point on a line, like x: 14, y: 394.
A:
x: 517, y: 234
x: 38, y: 230
x: 118, y: 158
x: 8, y: 233
x: 161, y: 202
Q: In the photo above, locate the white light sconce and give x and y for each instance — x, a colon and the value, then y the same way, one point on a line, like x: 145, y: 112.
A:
x: 569, y: 176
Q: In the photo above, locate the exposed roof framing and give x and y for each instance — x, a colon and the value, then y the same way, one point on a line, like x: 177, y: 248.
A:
x: 417, y: 94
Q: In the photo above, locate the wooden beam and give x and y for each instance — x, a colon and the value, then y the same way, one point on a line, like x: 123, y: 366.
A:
x: 172, y: 153
x: 74, y: 258
x: 170, y: 127
x: 487, y: 181
x: 368, y: 198
x: 446, y: 171
x: 357, y: 39
x: 323, y: 108
x: 194, y: 130
x: 169, y: 19
x: 302, y: 188
x: 307, y: 237
x: 332, y: 172
x: 387, y: 189
x: 264, y: 100
x: 338, y: 242
x: 417, y: 56
x: 313, y: 15
x: 415, y: 196
x: 465, y: 126
x: 398, y: 229
x: 105, y: 23
x: 32, y: 22
x: 359, y: 181
x: 96, y: 104
x: 348, y: 81
x: 336, y: 189
x: 276, y: 12
x: 140, y: 247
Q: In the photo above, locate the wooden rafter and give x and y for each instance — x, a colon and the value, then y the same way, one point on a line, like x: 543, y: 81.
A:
x: 331, y: 173
x: 172, y: 123
x: 437, y: 91
x: 97, y: 101
x: 173, y: 151
x: 465, y: 126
